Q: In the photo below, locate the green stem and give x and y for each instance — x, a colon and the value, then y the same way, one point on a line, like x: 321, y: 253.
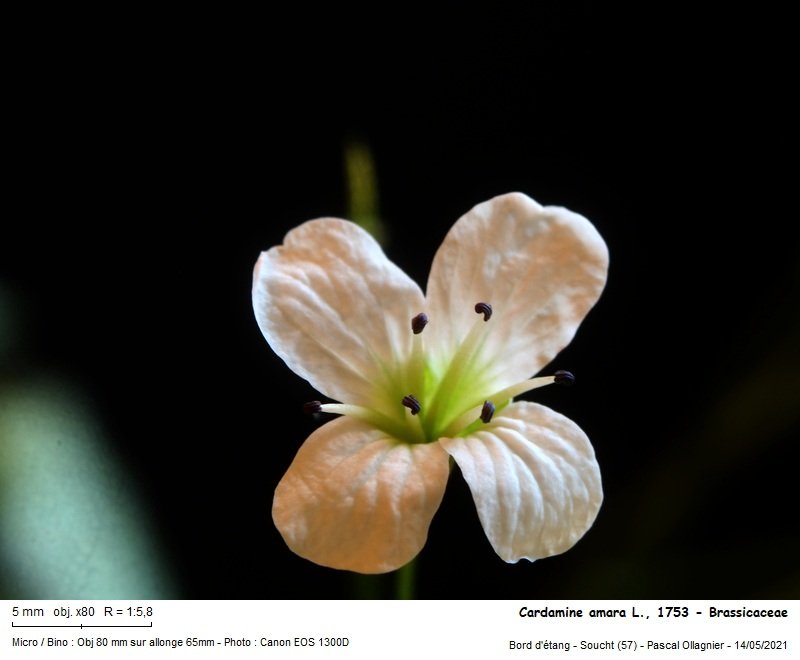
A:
x: 362, y: 189
x: 404, y: 581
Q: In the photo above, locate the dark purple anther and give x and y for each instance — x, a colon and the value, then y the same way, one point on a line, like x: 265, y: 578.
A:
x: 485, y: 309
x: 312, y: 407
x: 419, y: 322
x: 487, y: 411
x: 412, y: 404
x: 564, y: 377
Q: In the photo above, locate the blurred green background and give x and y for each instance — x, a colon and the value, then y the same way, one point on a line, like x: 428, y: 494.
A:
x: 144, y: 422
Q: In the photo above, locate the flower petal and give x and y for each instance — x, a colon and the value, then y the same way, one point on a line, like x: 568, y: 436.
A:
x: 334, y: 308
x: 358, y: 500
x: 541, y: 269
x: 534, y: 478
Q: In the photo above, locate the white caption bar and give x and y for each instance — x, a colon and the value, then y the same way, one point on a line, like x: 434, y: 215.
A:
x: 397, y: 629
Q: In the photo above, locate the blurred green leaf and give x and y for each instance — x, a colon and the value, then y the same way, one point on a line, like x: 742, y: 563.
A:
x: 70, y: 523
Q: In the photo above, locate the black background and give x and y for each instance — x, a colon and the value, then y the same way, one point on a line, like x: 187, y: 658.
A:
x: 156, y: 164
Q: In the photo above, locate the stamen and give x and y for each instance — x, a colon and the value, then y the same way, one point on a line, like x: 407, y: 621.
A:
x: 415, y: 372
x: 467, y: 421
x: 520, y: 388
x: 373, y: 417
x: 485, y: 309
x: 312, y: 407
x: 562, y: 377
x: 419, y: 322
x: 412, y: 404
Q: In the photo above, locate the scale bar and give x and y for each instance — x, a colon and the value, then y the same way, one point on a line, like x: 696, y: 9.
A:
x: 81, y: 625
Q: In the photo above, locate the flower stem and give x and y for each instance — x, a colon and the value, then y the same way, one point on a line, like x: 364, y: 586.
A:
x: 404, y: 581
x: 362, y: 189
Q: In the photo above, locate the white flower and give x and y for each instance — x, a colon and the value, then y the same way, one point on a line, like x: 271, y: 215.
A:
x: 363, y: 488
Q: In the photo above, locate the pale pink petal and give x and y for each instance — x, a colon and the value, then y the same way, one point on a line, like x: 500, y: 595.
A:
x: 534, y: 478
x: 541, y: 269
x: 334, y: 308
x: 358, y: 500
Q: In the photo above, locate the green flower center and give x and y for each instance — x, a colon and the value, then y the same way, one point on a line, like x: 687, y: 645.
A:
x: 418, y: 402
